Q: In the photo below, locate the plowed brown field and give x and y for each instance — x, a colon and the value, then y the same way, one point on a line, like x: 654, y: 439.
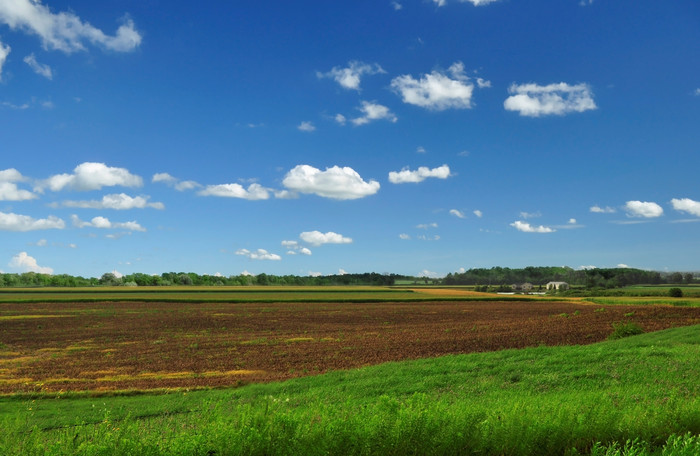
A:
x: 116, y: 346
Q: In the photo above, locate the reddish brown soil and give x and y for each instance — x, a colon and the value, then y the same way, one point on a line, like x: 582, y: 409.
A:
x: 111, y: 346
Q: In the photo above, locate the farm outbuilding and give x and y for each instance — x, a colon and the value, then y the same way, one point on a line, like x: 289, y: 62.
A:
x: 557, y: 286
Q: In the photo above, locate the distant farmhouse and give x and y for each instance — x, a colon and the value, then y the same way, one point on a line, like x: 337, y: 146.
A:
x: 557, y: 286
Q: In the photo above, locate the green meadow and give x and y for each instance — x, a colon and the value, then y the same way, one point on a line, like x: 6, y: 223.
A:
x: 637, y: 395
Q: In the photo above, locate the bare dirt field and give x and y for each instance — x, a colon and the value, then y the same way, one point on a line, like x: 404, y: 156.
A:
x: 130, y: 345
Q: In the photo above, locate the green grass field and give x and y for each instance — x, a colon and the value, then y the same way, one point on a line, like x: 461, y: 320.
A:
x: 633, y: 396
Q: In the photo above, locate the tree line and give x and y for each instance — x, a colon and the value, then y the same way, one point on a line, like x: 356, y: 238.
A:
x: 32, y: 280
x: 494, y: 277
x: 590, y: 278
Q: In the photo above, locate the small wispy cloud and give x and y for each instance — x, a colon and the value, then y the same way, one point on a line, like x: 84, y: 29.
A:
x: 602, y: 210
x: 350, y: 77
x: 39, y: 68
x: 306, y: 126
x: 527, y: 228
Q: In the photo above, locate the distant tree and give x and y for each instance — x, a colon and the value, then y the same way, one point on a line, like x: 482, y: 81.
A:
x: 109, y: 279
x: 688, y: 278
x: 676, y: 277
x: 675, y: 292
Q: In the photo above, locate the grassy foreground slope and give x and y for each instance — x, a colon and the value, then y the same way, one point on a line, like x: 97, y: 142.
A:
x: 539, y: 401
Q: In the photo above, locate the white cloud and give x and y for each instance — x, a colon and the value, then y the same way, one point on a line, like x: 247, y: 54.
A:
x: 483, y: 83
x: 602, y: 210
x: 164, y: 177
x: 26, y: 263
x: 174, y: 182
x: 260, y: 254
x: 643, y: 209
x: 427, y: 273
x: 340, y: 119
x: 424, y: 237
x: 437, y: 91
x: 4, y: 52
x: 39, y: 68
x: 697, y: 92
x: 534, y: 100
x: 425, y: 226
x: 16, y: 222
x: 64, y: 31
x: 336, y: 182
x: 8, y: 188
x: 42, y: 243
x: 315, y: 274
x: 349, y: 77
x: 420, y: 150
x: 120, y: 201
x: 294, y: 248
x: 527, y: 228
x: 92, y: 176
x: 527, y: 215
x: 397, y: 6
x: 404, y: 236
x: 253, y: 192
x: 473, y: 2
x: 10, y: 192
x: 622, y: 265
x: 419, y: 175
x: 457, y: 213
x: 572, y: 221
x: 306, y: 126
x: 686, y: 205
x: 478, y: 213
x: 11, y: 175
x: 105, y: 223
x: 373, y: 111
x: 316, y: 238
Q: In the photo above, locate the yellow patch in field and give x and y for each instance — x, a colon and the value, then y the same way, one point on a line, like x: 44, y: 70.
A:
x: 108, y: 350
x: 21, y: 359
x: 63, y: 380
x: 98, y: 372
x: 243, y: 372
x: 14, y: 381
x: 29, y: 317
x: 300, y: 339
x: 9, y: 353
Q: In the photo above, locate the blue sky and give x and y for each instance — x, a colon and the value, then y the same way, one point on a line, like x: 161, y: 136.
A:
x: 412, y: 136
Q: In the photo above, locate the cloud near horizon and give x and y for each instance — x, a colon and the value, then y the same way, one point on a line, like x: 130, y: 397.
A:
x: 25, y: 263
x: 260, y: 254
